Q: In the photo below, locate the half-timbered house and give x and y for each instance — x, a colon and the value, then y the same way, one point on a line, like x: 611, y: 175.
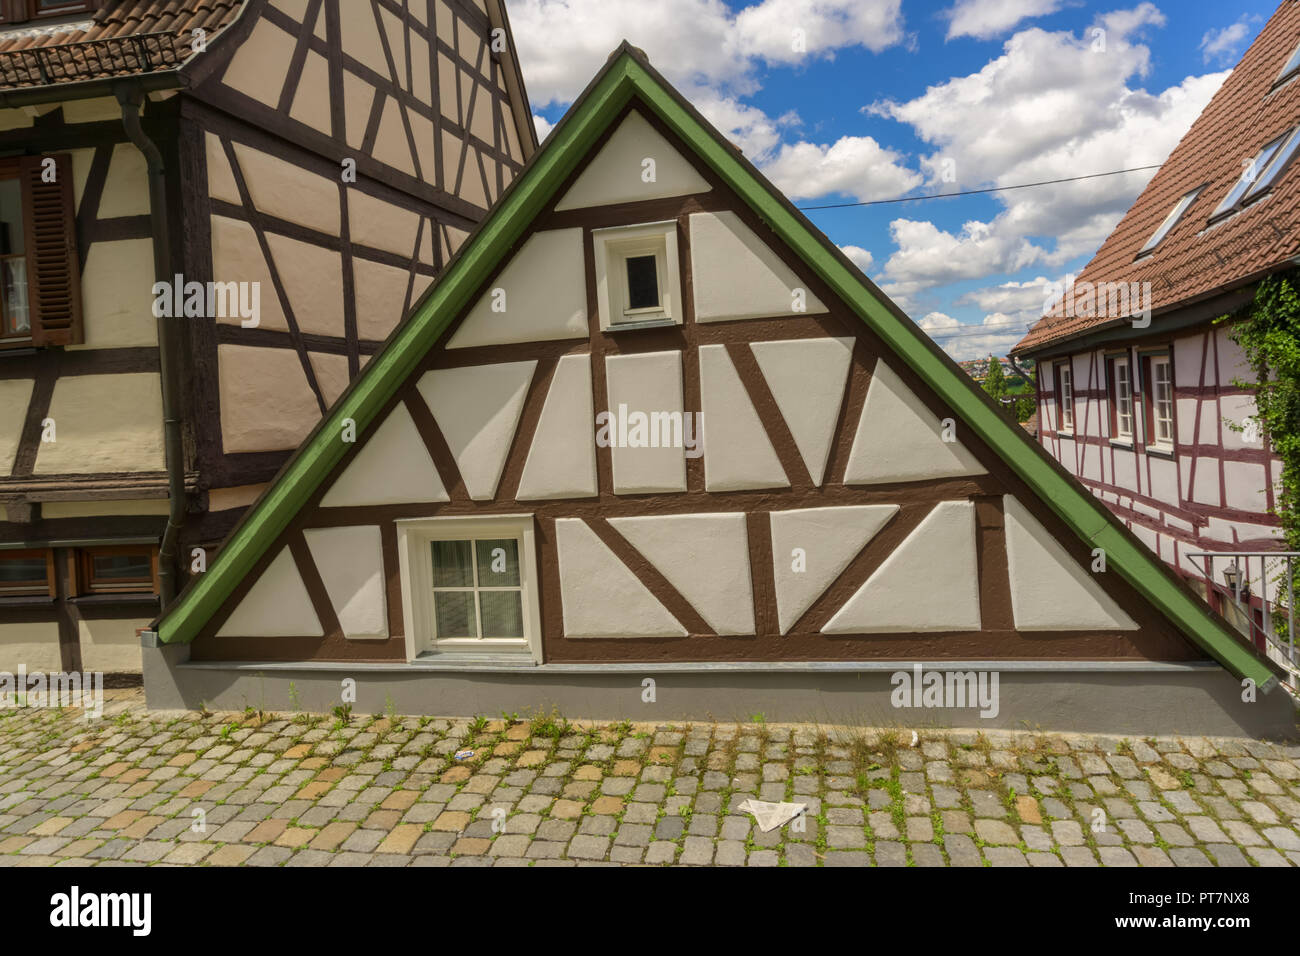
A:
x: 1143, y: 395
x: 653, y: 447
x: 214, y: 213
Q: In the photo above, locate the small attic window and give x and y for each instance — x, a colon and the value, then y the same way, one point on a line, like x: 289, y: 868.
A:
x: 1283, y: 157
x: 637, y: 278
x: 1171, y: 220
x: 1290, y: 68
x: 1251, y: 174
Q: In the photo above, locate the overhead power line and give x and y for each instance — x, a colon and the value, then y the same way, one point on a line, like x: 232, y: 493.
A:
x: 976, y: 192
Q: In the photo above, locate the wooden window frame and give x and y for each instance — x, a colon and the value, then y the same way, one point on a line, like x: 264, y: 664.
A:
x: 1113, y: 364
x: 24, y: 11
x: 1149, y: 399
x: 49, y: 589
x: 87, y: 584
x: 50, y: 247
x: 1061, y: 402
x: 414, y: 536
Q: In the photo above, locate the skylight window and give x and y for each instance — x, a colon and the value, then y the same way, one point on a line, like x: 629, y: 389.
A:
x: 1171, y: 220
x: 1279, y: 164
x: 1291, y: 68
x: 1250, y: 175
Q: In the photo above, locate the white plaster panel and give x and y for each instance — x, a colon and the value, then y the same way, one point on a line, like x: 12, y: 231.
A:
x: 1143, y: 534
x: 929, y: 583
x: 312, y: 277
x: 1232, y: 360
x: 646, y: 383
x: 261, y: 63
x: 811, y: 547
x: 807, y: 378
x: 1050, y: 591
x: 545, y: 296
x: 1235, y: 409
x: 221, y: 181
x: 311, y: 101
x: 15, y: 394
x: 706, y: 558
x: 117, y: 295
x: 276, y: 606
x: 1205, y: 484
x: 1185, y: 420
x: 361, y: 36
x: 1245, y: 485
x: 737, y: 451
x: 1125, y: 468
x: 126, y: 189
x: 393, y: 467
x: 1208, y: 433
x: 104, y: 423
x: 382, y: 225
x: 32, y: 645
x: 900, y: 439
x: 237, y: 257
x: 253, y: 380
x: 391, y: 145
x: 288, y: 191
x: 562, y: 460
x: 351, y: 564
x: 615, y: 175
x: 110, y: 646
x: 478, y: 409
x: 600, y: 595
x: 736, y: 275
x: 1164, y: 479
x: 381, y: 297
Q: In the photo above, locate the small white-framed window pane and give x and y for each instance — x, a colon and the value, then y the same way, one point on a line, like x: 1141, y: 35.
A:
x: 1171, y: 220
x: 453, y: 564
x: 642, y: 282
x: 502, y: 613
x: 1124, y: 400
x: 1265, y: 181
x: 1250, y: 174
x: 453, y: 613
x: 1164, y: 410
x: 1067, y: 399
x: 498, y: 562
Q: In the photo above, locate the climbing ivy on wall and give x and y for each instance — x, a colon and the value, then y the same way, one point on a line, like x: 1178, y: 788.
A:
x: 1268, y: 330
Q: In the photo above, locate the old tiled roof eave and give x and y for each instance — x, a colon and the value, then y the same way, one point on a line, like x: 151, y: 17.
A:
x: 179, y: 18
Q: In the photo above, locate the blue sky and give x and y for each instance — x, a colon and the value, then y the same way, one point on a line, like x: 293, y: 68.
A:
x: 857, y: 100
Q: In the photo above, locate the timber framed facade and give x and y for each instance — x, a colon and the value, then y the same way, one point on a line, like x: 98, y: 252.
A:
x: 483, y: 506
x: 330, y: 155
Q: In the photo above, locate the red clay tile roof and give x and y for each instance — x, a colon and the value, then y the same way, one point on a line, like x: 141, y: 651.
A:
x: 1196, y: 260
x: 127, y: 37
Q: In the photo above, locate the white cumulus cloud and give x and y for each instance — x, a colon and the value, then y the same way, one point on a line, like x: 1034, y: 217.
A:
x: 985, y: 19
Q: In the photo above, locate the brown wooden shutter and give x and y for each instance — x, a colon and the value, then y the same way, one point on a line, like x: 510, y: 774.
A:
x: 53, y: 270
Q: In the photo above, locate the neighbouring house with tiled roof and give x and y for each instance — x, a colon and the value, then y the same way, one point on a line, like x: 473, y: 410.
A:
x: 212, y: 215
x: 1136, y: 382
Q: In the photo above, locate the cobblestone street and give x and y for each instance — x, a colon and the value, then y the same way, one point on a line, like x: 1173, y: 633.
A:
x: 374, y: 790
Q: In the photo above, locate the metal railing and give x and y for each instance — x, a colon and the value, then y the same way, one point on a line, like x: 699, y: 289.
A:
x: 90, y: 59
x: 1256, y: 594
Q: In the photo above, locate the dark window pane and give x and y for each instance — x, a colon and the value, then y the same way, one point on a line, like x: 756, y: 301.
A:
x: 498, y: 563
x: 503, y: 613
x: 21, y: 571
x: 642, y: 283
x: 121, y: 567
x: 11, y: 218
x: 452, y: 564
x: 453, y: 612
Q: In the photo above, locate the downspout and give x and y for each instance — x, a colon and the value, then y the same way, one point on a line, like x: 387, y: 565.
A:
x: 131, y: 97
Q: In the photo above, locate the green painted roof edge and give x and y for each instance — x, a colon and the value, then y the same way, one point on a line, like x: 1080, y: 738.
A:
x: 625, y: 75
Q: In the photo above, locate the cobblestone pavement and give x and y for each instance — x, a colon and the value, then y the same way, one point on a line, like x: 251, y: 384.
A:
x: 351, y: 790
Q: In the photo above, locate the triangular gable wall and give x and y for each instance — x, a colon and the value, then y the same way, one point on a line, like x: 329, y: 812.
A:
x: 950, y: 452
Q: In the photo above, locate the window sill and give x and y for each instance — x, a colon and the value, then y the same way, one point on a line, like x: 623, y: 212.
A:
x: 1125, y: 443
x: 102, y: 600
x: 641, y: 324
x: 26, y: 600
x: 1161, y: 451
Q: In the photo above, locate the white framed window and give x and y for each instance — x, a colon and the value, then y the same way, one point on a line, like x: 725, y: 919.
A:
x: 469, y: 586
x: 1121, y: 398
x: 1170, y: 221
x: 638, y: 281
x: 1290, y: 68
x: 1161, y: 418
x: 1064, y: 398
x: 1251, y: 172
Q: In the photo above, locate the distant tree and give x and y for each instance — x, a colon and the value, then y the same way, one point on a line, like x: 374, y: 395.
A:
x: 995, y: 382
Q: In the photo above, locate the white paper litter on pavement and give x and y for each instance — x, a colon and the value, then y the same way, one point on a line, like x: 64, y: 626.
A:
x: 769, y: 816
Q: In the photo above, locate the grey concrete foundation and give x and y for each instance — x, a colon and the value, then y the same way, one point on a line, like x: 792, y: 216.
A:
x: 1143, y: 699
